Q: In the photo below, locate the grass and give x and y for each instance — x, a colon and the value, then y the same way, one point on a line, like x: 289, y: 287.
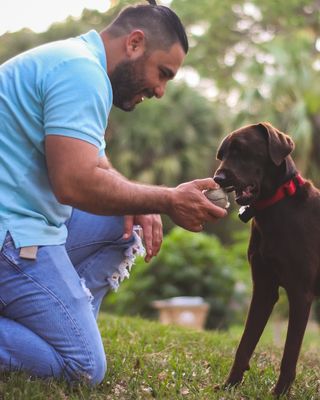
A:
x: 147, y: 360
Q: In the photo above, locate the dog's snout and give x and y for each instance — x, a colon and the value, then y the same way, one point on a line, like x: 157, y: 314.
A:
x: 220, y: 178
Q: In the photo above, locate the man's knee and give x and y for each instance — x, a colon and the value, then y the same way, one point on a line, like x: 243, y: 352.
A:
x: 98, y: 370
x: 91, y: 372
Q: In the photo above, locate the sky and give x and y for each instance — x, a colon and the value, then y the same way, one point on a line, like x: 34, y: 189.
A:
x: 38, y: 15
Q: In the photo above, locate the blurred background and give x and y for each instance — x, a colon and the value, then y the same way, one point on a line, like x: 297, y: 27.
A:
x: 249, y: 61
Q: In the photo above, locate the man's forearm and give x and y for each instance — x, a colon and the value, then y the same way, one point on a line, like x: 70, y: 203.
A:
x: 107, y: 192
x: 152, y: 191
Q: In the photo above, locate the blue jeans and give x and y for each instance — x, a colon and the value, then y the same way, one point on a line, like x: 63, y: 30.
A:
x: 48, y: 306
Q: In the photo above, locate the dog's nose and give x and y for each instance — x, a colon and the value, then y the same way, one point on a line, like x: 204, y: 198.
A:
x: 220, y: 178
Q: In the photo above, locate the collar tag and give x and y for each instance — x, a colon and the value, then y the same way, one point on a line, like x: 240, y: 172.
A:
x: 246, y: 213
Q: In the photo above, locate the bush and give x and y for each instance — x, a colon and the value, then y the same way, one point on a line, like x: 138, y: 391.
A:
x: 189, y: 264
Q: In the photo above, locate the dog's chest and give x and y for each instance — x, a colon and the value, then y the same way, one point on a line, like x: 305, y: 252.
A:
x: 284, y: 244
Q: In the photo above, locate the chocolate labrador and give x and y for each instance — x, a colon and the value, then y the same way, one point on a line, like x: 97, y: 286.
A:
x: 284, y: 248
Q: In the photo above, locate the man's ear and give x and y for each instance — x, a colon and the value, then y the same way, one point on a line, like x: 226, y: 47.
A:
x: 135, y: 44
x: 280, y: 145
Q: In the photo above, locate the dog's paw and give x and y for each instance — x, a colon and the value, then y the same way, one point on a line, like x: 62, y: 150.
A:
x: 228, y: 385
x: 281, y: 392
x: 218, y: 388
x: 234, y: 379
x: 283, y: 386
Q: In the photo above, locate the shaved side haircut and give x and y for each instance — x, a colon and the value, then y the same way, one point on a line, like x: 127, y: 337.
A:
x: 161, y: 26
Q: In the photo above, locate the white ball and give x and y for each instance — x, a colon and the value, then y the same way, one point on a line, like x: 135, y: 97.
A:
x: 218, y: 197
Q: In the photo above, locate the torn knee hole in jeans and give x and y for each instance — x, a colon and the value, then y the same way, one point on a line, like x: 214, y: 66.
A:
x: 137, y: 249
x: 87, y: 291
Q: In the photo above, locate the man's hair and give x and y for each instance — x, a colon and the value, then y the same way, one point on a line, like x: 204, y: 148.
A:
x: 161, y: 26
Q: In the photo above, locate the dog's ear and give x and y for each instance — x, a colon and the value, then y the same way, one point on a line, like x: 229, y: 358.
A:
x: 280, y: 144
x: 222, y: 148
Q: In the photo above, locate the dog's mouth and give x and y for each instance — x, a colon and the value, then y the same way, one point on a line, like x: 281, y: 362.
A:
x: 244, y: 195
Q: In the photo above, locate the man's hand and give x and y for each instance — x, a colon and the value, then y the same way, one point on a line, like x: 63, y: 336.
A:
x: 190, y: 208
x: 151, y: 232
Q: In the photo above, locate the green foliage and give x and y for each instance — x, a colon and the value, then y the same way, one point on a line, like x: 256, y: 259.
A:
x: 188, y: 265
x: 236, y: 251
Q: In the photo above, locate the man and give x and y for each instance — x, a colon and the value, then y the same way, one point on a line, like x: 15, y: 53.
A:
x: 57, y: 262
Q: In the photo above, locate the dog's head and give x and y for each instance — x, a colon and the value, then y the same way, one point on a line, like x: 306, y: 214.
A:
x: 249, y: 155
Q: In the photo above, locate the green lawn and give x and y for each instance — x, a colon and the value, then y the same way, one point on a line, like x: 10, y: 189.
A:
x: 147, y: 360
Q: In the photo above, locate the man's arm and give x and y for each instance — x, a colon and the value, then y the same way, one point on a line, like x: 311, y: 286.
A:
x: 78, y: 180
x: 105, y: 163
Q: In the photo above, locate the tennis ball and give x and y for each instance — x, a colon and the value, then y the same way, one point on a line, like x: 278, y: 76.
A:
x: 218, y: 197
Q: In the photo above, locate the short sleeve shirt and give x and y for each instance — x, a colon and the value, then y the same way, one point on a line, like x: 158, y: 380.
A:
x: 60, y: 88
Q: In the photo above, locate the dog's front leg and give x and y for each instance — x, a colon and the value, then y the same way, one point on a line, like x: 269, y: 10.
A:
x: 265, y: 295
x: 300, y: 304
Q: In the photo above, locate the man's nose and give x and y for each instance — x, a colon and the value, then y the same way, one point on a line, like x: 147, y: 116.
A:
x: 160, y: 90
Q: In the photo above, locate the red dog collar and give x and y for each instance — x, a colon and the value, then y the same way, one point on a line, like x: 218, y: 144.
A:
x: 289, y: 188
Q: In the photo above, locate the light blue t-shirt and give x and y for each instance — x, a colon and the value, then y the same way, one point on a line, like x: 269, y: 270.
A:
x: 60, y: 88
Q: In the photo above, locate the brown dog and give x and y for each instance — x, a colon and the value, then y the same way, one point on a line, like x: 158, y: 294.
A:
x: 284, y: 247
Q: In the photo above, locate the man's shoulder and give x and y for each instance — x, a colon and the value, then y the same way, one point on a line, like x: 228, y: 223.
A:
x: 46, y: 56
x: 63, y: 50
x: 83, y: 49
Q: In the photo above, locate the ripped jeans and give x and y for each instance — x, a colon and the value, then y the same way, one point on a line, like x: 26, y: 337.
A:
x: 48, y: 306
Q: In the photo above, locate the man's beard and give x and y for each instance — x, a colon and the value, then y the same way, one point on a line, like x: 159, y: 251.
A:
x: 127, y: 81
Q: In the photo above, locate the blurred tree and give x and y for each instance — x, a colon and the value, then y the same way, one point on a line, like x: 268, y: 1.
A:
x: 17, y: 42
x: 224, y: 34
